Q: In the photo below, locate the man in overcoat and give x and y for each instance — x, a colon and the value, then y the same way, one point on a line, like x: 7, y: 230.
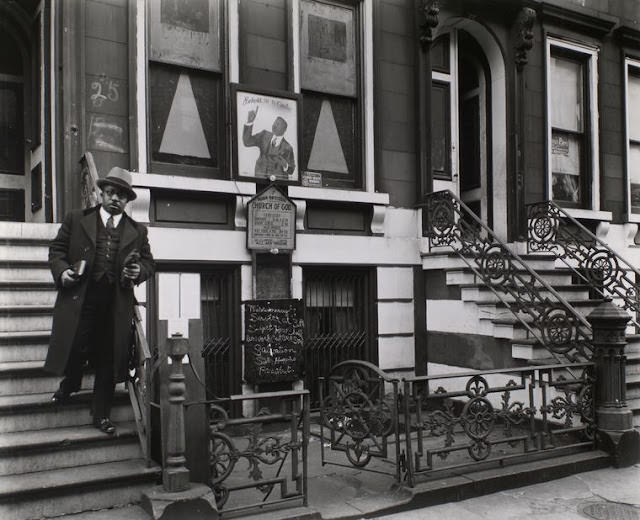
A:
x: 94, y: 309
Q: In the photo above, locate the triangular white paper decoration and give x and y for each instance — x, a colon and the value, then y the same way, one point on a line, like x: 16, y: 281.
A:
x: 184, y: 134
x: 326, y: 152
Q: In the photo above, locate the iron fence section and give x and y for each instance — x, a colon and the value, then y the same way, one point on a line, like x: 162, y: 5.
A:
x: 552, y: 229
x: 456, y: 420
x: 359, y: 410
x: 272, y: 444
x: 544, y: 313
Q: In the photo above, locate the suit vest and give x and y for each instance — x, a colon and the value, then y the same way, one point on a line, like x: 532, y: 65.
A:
x: 107, y: 245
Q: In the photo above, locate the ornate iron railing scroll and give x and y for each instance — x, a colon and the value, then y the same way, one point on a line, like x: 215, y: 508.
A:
x: 139, y: 384
x: 88, y: 178
x: 546, y: 315
x: 275, y: 456
x: 359, y: 409
x: 552, y: 229
x: 462, y: 419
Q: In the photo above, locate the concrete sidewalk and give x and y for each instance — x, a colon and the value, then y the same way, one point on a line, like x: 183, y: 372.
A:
x: 339, y: 492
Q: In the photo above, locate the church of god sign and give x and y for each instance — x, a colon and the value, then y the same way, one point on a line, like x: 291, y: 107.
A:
x: 271, y: 219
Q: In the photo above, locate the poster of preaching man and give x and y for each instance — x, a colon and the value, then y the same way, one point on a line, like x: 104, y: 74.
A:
x: 266, y: 140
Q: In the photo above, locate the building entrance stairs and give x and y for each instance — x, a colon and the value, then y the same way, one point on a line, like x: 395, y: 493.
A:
x: 52, y: 460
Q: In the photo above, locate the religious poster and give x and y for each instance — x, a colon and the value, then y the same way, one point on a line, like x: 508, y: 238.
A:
x: 186, y: 32
x: 266, y: 135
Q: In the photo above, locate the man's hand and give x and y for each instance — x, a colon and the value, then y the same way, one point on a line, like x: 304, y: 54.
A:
x: 68, y: 278
x: 251, y: 116
x: 131, y: 271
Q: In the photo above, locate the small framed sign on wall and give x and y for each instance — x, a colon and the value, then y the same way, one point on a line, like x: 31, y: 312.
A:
x: 266, y: 135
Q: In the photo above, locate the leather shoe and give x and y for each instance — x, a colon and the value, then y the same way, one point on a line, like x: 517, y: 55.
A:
x: 105, y: 425
x: 60, y: 396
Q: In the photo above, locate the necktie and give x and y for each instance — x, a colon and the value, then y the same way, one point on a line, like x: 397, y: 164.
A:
x: 110, y: 222
x: 273, y: 142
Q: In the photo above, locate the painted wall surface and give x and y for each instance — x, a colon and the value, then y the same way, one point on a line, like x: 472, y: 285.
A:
x: 395, y: 50
x: 106, y: 83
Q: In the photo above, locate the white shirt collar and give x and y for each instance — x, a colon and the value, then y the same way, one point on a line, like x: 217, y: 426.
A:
x: 104, y: 215
x: 277, y: 140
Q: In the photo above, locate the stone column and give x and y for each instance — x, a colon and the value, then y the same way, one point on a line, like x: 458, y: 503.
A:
x: 614, y: 419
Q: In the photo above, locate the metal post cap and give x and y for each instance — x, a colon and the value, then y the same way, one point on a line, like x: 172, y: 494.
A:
x: 608, y: 312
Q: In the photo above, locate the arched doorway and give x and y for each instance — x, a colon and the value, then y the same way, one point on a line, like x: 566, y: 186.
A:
x: 25, y: 193
x: 469, y: 142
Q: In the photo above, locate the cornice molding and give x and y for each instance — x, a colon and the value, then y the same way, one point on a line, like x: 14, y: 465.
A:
x: 629, y: 36
x: 578, y: 19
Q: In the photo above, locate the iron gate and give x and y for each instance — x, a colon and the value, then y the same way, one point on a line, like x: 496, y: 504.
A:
x: 220, y: 308
x: 338, y: 321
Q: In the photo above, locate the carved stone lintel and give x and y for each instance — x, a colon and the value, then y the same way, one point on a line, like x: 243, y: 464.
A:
x: 430, y: 10
x: 524, y: 35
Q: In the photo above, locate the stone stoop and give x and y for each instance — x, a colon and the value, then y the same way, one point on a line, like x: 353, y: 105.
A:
x: 477, y: 302
x: 52, y: 460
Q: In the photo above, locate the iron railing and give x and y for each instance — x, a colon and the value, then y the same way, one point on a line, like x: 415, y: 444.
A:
x: 140, y: 385
x: 461, y: 419
x: 545, y: 314
x: 273, y: 444
x: 359, y: 409
x: 552, y: 229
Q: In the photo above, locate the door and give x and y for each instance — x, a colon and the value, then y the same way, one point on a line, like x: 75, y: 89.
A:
x: 339, y: 322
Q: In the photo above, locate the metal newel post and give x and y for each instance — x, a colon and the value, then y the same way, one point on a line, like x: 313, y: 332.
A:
x: 175, y: 476
x: 614, y: 419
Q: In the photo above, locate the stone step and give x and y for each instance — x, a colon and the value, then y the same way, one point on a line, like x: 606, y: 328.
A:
x: 22, y: 231
x: 633, y: 386
x: 24, y: 345
x: 448, y: 260
x: 60, y: 491
x: 37, y: 412
x: 554, y: 277
x: 25, y: 251
x: 634, y: 405
x: 25, y: 318
x: 483, y: 294
x: 36, y: 271
x: 29, y: 377
x: 15, y: 292
x: 56, y: 448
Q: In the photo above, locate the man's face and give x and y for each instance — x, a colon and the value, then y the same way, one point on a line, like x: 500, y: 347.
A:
x: 113, y: 199
x: 279, y: 127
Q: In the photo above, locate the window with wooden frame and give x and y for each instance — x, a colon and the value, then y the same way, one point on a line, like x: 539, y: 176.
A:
x: 632, y: 71
x: 571, y: 128
x: 441, y: 108
x: 331, y: 87
x: 186, y: 87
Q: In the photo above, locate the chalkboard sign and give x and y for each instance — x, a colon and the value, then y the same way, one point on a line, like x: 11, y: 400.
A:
x: 273, y: 341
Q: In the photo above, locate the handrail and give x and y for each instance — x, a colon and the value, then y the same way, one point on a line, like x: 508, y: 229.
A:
x: 140, y: 386
x: 552, y: 321
x: 88, y: 178
x: 602, y: 268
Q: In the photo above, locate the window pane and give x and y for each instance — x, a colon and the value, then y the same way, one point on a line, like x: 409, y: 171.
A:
x: 633, y: 107
x: 329, y: 138
x: 440, y: 54
x: 184, y: 113
x: 440, y: 130
x: 566, y: 159
x: 11, y: 138
x: 634, y: 176
x: 567, y: 96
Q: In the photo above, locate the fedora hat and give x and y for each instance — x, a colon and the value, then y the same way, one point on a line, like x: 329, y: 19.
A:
x: 119, y: 178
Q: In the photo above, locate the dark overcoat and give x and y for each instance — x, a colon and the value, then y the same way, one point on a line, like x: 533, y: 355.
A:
x: 76, y: 240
